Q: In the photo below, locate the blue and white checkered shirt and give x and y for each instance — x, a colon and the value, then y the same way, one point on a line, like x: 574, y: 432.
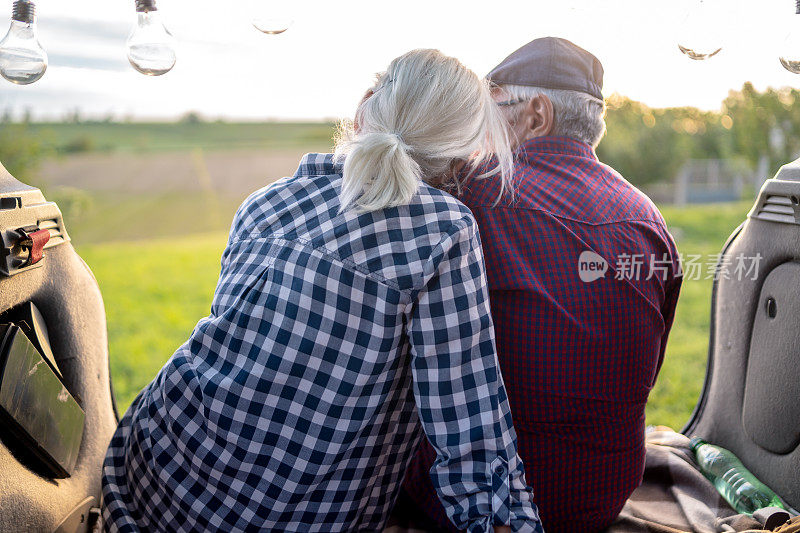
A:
x: 334, y: 340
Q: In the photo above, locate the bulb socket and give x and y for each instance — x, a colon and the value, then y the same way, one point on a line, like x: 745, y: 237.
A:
x: 797, y: 7
x: 23, y: 11
x: 145, y: 6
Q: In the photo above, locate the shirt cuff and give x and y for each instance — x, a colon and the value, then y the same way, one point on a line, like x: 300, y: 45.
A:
x: 521, y: 516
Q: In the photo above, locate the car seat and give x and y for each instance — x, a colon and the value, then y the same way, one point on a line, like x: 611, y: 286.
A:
x: 56, y: 407
x: 750, y: 403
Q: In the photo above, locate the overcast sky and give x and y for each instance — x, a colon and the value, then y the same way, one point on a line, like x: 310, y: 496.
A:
x: 320, y: 67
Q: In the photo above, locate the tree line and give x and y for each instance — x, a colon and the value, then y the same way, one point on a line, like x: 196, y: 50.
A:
x: 649, y: 145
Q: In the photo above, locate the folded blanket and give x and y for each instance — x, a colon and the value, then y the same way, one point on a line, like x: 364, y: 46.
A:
x: 674, y: 496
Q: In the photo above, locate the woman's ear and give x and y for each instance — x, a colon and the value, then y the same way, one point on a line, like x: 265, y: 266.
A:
x: 540, y: 116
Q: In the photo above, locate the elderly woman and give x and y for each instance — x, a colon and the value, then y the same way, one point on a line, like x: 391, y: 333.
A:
x: 351, y: 316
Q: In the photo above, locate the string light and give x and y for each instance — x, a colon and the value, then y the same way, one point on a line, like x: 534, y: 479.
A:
x: 699, y: 37
x: 272, y: 18
x: 151, y: 48
x: 790, y: 50
x: 22, y: 59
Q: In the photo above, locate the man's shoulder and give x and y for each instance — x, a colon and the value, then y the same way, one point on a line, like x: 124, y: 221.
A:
x: 585, y: 191
x: 627, y: 200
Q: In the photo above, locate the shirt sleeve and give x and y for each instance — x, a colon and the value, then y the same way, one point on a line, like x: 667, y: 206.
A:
x: 672, y: 291
x: 460, y: 395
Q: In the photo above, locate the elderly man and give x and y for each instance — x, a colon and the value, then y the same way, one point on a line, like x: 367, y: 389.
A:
x: 583, y: 278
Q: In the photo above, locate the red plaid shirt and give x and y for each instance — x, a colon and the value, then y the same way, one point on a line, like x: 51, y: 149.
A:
x: 579, y: 357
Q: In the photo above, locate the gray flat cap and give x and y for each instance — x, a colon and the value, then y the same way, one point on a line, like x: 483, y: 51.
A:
x: 551, y: 63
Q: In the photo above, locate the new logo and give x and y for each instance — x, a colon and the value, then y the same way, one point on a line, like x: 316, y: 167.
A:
x: 591, y: 267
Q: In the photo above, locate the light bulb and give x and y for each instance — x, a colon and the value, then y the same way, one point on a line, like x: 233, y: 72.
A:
x: 272, y: 18
x: 151, y: 48
x: 790, y: 50
x: 22, y: 58
x: 699, y: 37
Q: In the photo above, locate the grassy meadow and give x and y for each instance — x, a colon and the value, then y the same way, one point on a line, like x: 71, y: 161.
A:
x: 156, y: 290
x: 154, y: 293
x: 187, y: 134
x: 148, y: 207
x: 698, y: 230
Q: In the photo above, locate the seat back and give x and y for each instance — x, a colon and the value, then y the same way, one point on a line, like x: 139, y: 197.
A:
x: 56, y: 407
x: 750, y: 403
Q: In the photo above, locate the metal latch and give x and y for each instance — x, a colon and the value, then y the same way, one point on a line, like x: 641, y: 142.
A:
x: 33, y: 240
x: 22, y: 248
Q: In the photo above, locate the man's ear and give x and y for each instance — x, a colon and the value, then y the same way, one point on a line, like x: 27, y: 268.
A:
x: 540, y: 116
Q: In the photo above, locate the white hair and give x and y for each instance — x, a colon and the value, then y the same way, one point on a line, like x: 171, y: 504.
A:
x: 425, y: 113
x: 577, y: 115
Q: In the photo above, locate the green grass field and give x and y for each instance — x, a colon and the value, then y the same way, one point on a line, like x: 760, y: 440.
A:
x: 142, y: 137
x: 699, y: 230
x: 155, y: 291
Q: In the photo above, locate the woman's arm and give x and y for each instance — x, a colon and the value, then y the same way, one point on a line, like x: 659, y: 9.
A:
x: 460, y: 395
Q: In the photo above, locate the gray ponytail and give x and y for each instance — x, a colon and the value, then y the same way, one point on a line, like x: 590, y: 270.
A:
x: 427, y: 111
x: 379, y: 172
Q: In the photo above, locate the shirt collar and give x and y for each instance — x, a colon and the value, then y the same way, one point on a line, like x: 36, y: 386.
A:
x: 319, y: 165
x: 556, y: 145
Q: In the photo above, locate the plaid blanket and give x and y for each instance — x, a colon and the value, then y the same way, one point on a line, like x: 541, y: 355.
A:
x: 674, y: 496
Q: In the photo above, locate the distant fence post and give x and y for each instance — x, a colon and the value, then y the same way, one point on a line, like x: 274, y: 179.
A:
x: 762, y: 172
x: 682, y: 185
x: 708, y: 181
